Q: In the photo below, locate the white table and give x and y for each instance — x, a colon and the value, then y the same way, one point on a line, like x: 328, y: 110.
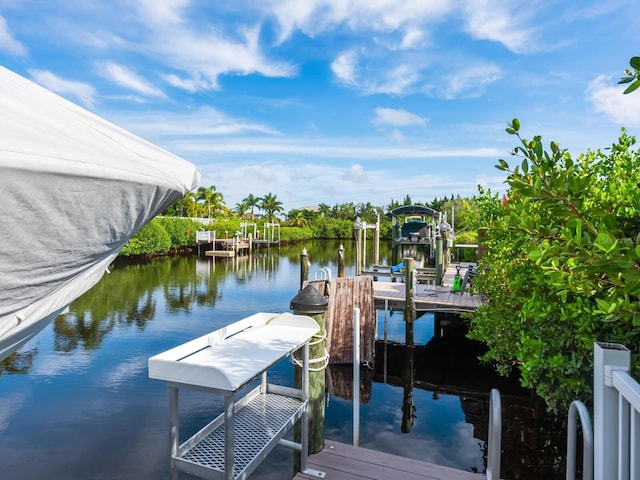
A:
x: 221, y: 362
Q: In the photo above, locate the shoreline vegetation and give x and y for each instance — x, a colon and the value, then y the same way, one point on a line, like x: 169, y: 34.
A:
x: 172, y: 232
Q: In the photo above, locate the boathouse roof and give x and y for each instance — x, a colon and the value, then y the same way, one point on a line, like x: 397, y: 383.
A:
x: 413, y: 210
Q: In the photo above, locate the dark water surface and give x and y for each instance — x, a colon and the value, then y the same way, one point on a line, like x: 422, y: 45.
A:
x: 76, y: 402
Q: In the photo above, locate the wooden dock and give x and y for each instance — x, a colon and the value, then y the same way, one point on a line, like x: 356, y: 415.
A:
x: 340, y: 461
x: 428, y: 298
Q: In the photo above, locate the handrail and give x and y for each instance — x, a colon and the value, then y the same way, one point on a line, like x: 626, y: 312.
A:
x: 578, y: 408
x: 494, y: 449
x: 323, y: 274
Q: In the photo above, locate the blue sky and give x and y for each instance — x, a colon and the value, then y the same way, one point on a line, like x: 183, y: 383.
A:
x: 332, y: 101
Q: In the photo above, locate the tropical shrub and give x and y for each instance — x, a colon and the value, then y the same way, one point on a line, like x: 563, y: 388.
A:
x: 182, y: 231
x: 150, y: 239
x: 563, y: 264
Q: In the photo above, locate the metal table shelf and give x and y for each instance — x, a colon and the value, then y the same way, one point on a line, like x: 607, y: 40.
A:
x: 222, y: 362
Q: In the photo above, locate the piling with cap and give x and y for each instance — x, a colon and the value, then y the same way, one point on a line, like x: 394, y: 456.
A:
x: 312, y: 303
x: 304, y: 268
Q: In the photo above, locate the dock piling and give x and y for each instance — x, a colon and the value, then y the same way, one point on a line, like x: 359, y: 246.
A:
x: 409, y: 304
x: 311, y: 303
x: 304, y: 268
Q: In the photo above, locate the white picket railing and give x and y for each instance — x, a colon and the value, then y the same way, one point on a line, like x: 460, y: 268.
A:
x: 206, y: 236
x: 616, y: 414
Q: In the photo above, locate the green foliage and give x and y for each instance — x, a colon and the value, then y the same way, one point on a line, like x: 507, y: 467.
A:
x: 632, y: 76
x: 151, y: 239
x: 294, y: 234
x: 324, y: 227
x: 182, y: 231
x: 562, y: 271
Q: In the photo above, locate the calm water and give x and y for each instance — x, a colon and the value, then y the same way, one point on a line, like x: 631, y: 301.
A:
x: 76, y: 402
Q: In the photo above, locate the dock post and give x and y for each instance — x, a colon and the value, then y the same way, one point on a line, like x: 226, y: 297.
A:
x: 409, y: 300
x: 439, y: 260
x: 376, y: 242
x: 341, y: 261
x: 357, y: 230
x: 304, y: 267
x: 310, y: 302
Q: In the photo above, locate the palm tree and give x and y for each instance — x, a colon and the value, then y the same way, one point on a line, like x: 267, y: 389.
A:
x: 190, y: 205
x: 252, y: 202
x: 324, y: 209
x: 242, y: 208
x: 271, y: 206
x: 296, y: 218
x: 212, y: 199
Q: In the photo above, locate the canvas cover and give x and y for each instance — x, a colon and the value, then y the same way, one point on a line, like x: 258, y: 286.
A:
x: 73, y: 189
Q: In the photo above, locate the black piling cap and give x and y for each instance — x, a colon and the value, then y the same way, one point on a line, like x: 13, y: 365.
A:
x: 309, y: 301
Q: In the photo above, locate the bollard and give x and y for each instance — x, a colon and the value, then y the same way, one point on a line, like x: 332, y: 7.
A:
x: 310, y: 302
x: 304, y: 268
x: 341, y: 261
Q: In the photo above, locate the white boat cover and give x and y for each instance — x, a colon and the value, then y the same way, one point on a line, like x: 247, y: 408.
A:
x: 73, y: 189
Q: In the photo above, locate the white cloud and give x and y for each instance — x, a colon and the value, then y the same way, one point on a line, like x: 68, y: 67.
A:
x: 355, y: 174
x: 166, y: 12
x: 7, y: 42
x: 126, y: 78
x: 397, y: 136
x: 344, y: 67
x: 469, y: 81
x: 495, y: 20
x: 84, y: 92
x: 393, y: 81
x: 191, y: 85
x: 316, y: 16
x: 397, y: 117
x: 260, y: 173
x: 204, y: 57
x: 205, y: 121
x: 609, y: 100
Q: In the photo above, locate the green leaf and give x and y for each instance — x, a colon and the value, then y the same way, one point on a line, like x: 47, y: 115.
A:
x: 525, y: 166
x: 516, y: 123
x: 635, y: 63
x: 632, y: 87
x: 538, y: 149
x: 510, y: 131
x: 603, y: 305
x: 535, y: 254
x: 605, y: 243
x: 626, y: 80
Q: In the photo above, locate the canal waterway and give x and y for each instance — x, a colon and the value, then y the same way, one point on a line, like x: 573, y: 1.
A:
x: 76, y: 401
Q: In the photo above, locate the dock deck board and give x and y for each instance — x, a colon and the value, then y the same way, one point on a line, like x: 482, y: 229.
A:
x: 345, y: 462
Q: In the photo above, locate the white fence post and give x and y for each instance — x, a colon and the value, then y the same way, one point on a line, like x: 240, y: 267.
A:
x: 607, y: 357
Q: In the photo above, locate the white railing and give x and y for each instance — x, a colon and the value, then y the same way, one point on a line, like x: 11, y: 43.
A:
x: 494, y: 447
x: 616, y: 414
x: 206, y: 236
x: 323, y: 274
x: 577, y: 408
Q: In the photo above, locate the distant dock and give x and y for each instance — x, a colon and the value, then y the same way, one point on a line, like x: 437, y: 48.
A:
x: 427, y: 297
x: 241, y: 242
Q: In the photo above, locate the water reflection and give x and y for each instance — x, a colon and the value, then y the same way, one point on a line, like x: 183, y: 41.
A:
x: 76, y: 401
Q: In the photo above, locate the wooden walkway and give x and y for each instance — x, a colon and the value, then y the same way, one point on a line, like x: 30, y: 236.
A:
x: 428, y: 298
x: 345, y: 462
